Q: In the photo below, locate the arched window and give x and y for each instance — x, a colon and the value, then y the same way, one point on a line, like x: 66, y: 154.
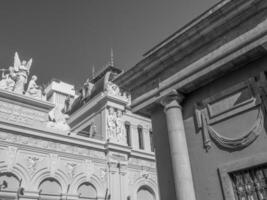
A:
x: 145, y: 193
x: 50, y: 186
x: 87, y: 190
x: 11, y: 180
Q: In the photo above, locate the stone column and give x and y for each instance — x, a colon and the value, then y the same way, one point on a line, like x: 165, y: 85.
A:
x: 178, y: 147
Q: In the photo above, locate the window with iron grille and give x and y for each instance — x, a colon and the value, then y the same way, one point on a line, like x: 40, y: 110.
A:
x: 250, y: 184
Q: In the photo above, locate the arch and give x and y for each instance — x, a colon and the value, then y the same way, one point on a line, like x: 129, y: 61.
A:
x: 45, y: 173
x: 87, y: 189
x: 22, y: 173
x: 93, y: 180
x: 50, y: 185
x: 147, y: 183
x: 145, y: 193
x: 11, y: 179
x: 18, y: 170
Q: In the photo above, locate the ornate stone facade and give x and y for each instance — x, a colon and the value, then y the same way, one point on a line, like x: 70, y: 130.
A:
x: 73, y: 152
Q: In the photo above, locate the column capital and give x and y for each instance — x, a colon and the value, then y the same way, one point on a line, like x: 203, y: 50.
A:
x: 172, y: 99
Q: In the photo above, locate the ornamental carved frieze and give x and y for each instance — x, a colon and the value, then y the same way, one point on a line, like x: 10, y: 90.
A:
x: 50, y: 145
x: 243, y: 98
x: 20, y: 114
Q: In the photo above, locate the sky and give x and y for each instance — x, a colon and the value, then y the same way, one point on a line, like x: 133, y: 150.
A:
x: 66, y: 38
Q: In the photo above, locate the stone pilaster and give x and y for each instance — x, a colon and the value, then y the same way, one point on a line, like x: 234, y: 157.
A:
x: 113, y: 180
x: 123, y: 180
x: 178, y: 147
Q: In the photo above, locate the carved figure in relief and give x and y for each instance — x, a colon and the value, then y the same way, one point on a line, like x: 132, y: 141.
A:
x: 33, y: 89
x: 115, y: 129
x: 22, y: 70
x: 111, y: 122
x: 32, y: 163
x: 121, y: 137
x: 70, y: 167
x: 112, y: 89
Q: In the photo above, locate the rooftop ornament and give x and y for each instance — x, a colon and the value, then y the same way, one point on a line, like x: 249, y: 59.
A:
x: 16, y: 79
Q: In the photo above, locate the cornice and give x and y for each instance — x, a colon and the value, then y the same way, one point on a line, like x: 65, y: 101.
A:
x: 208, y: 67
x: 185, y: 40
x: 27, y: 101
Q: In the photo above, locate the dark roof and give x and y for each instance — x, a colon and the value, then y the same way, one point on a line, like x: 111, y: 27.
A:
x: 107, y: 74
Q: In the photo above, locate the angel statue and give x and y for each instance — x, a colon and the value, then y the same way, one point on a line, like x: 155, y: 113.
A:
x: 22, y: 70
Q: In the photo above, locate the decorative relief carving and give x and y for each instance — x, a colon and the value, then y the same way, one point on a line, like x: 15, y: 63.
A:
x: 32, y: 162
x: 113, y: 90
x: 103, y: 173
x: 225, y: 105
x: 115, y: 129
x: 70, y: 168
x: 38, y: 143
x: 16, y: 113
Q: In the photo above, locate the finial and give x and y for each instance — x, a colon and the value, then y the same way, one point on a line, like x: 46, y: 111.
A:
x: 111, y: 57
x: 93, y: 72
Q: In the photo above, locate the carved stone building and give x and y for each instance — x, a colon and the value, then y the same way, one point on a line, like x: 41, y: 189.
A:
x: 205, y: 88
x: 96, y: 149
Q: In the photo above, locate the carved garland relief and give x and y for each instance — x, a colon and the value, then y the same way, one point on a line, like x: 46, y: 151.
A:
x: 239, y: 99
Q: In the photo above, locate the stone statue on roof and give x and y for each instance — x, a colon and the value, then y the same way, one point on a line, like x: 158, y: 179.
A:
x: 33, y: 89
x: 8, y: 80
x: 22, y: 69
